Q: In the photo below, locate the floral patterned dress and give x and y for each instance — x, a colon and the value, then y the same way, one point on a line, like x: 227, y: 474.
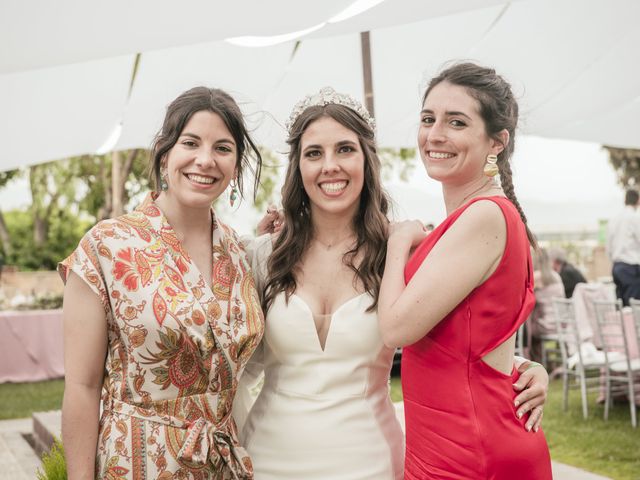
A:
x: 176, y: 348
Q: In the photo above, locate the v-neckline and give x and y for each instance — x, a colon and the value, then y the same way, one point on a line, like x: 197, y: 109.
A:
x: 330, y: 315
x: 164, y: 222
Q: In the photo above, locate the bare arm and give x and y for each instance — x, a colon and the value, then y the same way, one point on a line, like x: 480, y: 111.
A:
x: 85, y: 347
x: 271, y: 222
x: 464, y: 257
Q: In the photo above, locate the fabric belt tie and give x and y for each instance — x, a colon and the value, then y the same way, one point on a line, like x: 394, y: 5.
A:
x: 217, y: 445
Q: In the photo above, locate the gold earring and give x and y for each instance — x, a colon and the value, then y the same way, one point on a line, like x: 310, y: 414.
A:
x: 491, y: 167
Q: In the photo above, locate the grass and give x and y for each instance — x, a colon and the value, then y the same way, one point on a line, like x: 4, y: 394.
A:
x: 19, y: 400
x: 609, y: 448
x: 396, y: 389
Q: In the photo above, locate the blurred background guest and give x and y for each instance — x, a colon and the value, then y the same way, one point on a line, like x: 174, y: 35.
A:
x: 548, y: 284
x: 569, y: 274
x: 623, y: 247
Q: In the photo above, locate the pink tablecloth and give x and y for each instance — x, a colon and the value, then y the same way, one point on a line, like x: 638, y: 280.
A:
x: 31, y: 347
x: 630, y: 333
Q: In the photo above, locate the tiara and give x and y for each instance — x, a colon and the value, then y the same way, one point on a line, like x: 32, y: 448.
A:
x: 327, y: 96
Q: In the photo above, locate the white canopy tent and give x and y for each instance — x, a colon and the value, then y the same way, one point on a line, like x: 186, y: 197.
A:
x: 66, y: 67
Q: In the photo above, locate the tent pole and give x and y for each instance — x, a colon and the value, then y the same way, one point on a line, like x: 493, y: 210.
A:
x: 365, y: 44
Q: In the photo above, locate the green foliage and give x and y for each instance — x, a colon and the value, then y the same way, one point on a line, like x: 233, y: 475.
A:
x: 271, y: 168
x: 5, y: 177
x: 52, y: 181
x: 398, y: 160
x: 43, y: 302
x: 64, y: 233
x: 626, y: 163
x: 54, y: 466
x: 94, y: 172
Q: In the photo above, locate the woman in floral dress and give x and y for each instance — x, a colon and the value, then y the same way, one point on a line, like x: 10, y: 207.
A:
x: 161, y: 313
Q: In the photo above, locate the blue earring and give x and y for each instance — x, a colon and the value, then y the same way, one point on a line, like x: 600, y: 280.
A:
x: 233, y: 196
x: 164, y: 186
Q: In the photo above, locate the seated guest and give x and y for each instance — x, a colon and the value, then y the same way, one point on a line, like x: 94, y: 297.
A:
x: 548, y: 285
x: 569, y: 274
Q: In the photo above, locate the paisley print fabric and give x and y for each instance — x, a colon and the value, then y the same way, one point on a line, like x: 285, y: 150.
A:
x: 176, y: 348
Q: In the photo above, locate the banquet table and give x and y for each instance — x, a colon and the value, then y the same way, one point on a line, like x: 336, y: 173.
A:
x: 31, y: 346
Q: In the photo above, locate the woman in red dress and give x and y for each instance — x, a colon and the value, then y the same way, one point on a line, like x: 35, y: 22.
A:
x: 455, y: 304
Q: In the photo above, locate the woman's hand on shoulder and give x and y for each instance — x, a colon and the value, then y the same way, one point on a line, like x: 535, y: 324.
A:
x: 271, y: 222
x: 407, y: 232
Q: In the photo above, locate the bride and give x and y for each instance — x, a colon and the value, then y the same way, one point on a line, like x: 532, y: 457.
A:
x: 324, y: 410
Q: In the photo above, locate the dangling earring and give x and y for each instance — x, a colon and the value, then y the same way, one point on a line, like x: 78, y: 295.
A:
x: 164, y: 186
x: 234, y: 192
x: 491, y: 167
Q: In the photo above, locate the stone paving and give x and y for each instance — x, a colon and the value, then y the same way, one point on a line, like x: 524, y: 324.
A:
x: 19, y: 462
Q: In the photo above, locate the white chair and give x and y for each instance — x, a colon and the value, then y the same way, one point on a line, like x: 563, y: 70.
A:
x: 549, y: 343
x: 619, y: 368
x: 635, y: 309
x: 581, y: 367
x: 583, y: 297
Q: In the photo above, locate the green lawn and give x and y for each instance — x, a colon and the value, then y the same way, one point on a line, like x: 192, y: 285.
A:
x: 19, y: 400
x: 609, y: 448
x: 396, y: 389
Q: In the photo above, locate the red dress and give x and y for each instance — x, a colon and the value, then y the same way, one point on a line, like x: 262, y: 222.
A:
x: 459, y: 413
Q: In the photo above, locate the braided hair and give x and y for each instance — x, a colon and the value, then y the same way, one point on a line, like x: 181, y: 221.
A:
x: 498, y: 109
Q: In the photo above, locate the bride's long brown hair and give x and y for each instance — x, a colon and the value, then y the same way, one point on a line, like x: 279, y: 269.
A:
x: 370, y: 222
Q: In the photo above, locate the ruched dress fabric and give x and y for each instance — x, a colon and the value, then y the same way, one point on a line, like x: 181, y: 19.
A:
x: 321, y: 414
x: 176, y: 348
x: 459, y: 414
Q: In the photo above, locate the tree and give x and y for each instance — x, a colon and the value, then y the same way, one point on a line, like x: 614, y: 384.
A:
x: 5, y: 237
x: 111, y: 180
x: 271, y: 168
x: 626, y: 163
x: 63, y: 190
x: 49, y: 182
x: 65, y: 229
x: 397, y: 160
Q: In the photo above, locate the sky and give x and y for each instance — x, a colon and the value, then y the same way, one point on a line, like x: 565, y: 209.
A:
x: 562, y: 186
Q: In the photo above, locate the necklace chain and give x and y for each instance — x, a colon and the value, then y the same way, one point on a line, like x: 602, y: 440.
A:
x: 494, y: 186
x: 329, y: 246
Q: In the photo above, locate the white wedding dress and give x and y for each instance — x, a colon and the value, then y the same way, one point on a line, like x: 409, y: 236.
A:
x: 321, y: 414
